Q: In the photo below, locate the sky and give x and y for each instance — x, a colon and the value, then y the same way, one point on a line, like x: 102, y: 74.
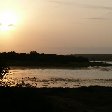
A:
x: 57, y: 26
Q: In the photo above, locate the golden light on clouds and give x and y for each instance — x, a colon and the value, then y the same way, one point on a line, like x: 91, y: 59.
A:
x: 8, y: 20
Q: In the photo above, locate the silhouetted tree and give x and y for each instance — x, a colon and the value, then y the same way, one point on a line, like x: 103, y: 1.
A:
x: 35, y: 59
x: 33, y: 52
x: 3, y: 70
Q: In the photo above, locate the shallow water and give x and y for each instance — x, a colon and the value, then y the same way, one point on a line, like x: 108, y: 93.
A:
x: 101, y: 76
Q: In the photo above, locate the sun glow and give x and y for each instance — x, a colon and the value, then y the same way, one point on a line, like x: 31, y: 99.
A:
x: 8, y: 20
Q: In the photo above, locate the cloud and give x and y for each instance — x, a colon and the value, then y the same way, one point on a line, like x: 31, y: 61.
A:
x: 85, y: 5
x: 96, y: 18
x: 97, y: 7
x: 69, y: 2
x: 61, y: 2
x: 11, y: 25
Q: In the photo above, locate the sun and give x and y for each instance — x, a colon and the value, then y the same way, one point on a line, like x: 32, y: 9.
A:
x: 8, y: 20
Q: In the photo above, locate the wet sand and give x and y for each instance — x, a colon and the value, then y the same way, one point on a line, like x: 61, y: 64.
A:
x: 83, y: 99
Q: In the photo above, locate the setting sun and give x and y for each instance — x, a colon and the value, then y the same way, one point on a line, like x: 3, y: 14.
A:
x: 8, y: 20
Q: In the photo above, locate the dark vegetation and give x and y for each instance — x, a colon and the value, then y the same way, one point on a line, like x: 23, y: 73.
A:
x: 46, y: 60
x: 3, y: 69
x: 84, y: 99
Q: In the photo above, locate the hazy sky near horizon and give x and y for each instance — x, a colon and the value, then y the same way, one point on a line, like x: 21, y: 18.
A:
x: 59, y: 26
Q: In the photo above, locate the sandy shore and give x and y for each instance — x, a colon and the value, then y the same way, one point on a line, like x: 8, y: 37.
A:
x: 84, y: 99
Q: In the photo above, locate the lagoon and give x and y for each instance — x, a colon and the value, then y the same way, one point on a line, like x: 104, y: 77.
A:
x: 71, y: 78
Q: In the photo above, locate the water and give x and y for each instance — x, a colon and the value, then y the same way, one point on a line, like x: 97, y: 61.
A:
x: 101, y: 76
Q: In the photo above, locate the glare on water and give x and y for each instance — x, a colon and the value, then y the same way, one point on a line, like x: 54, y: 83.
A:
x: 100, y: 76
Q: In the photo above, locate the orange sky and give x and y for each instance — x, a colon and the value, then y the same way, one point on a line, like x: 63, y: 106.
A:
x: 58, y: 26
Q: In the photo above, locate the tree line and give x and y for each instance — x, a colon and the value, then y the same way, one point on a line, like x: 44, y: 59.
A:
x: 34, y: 58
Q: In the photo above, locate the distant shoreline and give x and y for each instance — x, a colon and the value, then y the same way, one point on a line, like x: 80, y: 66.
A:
x: 34, y: 59
x: 95, y: 64
x: 59, y: 67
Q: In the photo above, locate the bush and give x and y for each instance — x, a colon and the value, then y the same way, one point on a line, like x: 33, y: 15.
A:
x: 3, y: 70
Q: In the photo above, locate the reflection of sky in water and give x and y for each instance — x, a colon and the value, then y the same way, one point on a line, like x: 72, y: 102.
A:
x: 60, y: 77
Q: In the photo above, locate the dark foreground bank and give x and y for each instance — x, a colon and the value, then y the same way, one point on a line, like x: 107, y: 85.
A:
x: 84, y: 99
